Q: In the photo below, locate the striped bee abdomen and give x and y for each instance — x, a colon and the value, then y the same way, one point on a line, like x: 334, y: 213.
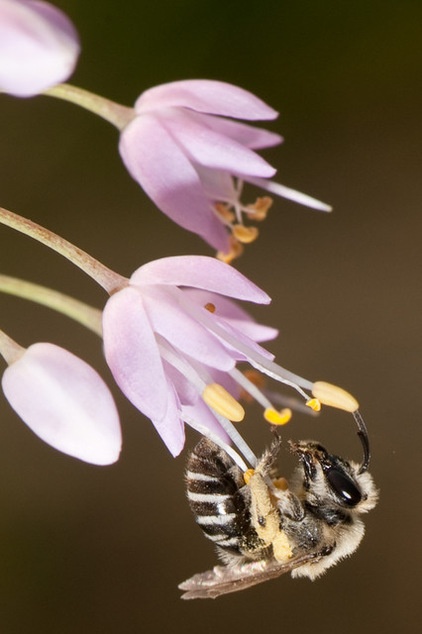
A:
x: 213, y: 489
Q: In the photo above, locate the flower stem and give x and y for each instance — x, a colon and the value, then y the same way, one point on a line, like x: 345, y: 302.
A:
x: 9, y: 349
x: 109, y: 110
x: 104, y: 276
x: 86, y: 315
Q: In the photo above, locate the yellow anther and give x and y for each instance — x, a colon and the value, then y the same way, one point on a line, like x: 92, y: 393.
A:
x: 248, y: 475
x: 245, y: 235
x: 277, y: 418
x: 334, y: 396
x: 210, y: 307
x: 217, y: 397
x: 224, y: 212
x: 314, y: 404
x: 281, y: 484
x: 259, y: 210
x: 255, y: 377
x: 235, y: 251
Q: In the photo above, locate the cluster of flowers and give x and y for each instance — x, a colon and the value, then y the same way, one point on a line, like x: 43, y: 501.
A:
x: 173, y: 334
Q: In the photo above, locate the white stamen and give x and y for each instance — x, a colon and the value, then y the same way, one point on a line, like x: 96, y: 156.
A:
x: 204, y: 431
x: 251, y: 388
x: 256, y: 359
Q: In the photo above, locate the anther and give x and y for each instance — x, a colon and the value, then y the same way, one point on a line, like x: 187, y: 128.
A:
x: 210, y: 307
x: 334, y: 396
x: 245, y: 235
x: 277, y: 418
x: 314, y: 404
x: 224, y: 212
x: 235, y: 251
x: 259, y: 210
x: 255, y: 377
x: 217, y: 397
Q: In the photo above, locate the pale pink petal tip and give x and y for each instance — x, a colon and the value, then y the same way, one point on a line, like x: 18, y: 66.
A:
x: 39, y: 47
x: 65, y: 402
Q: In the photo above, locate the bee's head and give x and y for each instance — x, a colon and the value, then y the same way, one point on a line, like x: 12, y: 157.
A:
x: 330, y: 481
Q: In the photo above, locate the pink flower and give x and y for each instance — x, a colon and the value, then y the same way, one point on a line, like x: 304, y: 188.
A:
x: 190, y: 156
x: 65, y: 402
x: 172, y: 331
x: 39, y: 47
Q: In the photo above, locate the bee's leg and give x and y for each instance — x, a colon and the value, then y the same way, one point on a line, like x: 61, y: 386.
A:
x: 266, y: 519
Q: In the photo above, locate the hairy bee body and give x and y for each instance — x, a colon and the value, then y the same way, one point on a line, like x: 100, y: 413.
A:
x: 220, y: 501
x: 262, y: 531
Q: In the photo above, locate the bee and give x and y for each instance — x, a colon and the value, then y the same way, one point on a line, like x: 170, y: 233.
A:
x: 262, y: 527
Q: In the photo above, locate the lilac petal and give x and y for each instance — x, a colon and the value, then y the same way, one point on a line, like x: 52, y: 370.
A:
x: 226, y: 380
x: 65, y: 402
x: 248, y: 135
x: 162, y: 169
x: 204, y: 95
x: 218, y: 185
x: 172, y: 433
x: 184, y: 333
x: 132, y: 353
x: 211, y: 149
x: 171, y: 427
x: 237, y: 316
x: 186, y: 392
x: 39, y: 47
x: 254, y: 331
x: 235, y: 339
x: 200, y: 271
x: 201, y: 413
x: 290, y: 194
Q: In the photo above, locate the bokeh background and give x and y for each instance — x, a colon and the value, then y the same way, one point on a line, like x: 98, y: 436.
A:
x: 101, y: 550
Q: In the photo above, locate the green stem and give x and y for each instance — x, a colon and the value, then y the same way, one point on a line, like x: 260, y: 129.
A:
x: 105, y: 277
x: 112, y: 112
x: 9, y: 349
x: 86, y: 315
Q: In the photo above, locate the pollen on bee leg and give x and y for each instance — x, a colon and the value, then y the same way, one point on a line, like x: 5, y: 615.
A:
x: 277, y: 418
x: 281, y: 484
x: 245, y: 235
x: 248, y: 475
x: 217, y: 397
x: 314, y: 404
x: 334, y: 396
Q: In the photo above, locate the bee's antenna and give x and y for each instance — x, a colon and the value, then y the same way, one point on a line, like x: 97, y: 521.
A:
x: 364, y: 439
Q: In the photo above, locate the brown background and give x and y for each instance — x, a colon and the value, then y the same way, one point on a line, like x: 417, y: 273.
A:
x: 86, y: 549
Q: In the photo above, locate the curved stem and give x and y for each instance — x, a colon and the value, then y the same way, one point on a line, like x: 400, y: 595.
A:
x: 104, y: 276
x: 86, y: 315
x: 112, y: 112
x: 9, y: 349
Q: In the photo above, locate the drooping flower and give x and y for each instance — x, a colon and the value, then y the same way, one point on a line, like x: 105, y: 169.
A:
x: 158, y: 344
x: 39, y: 47
x: 173, y: 333
x: 65, y: 402
x: 190, y: 156
x: 173, y: 338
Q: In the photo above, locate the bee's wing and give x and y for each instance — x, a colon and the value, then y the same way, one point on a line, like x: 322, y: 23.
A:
x: 225, y: 579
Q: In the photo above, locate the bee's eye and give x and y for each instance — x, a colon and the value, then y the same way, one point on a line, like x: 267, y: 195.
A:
x: 344, y: 487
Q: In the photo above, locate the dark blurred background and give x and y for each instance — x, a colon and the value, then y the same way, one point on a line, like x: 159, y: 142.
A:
x: 101, y: 550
